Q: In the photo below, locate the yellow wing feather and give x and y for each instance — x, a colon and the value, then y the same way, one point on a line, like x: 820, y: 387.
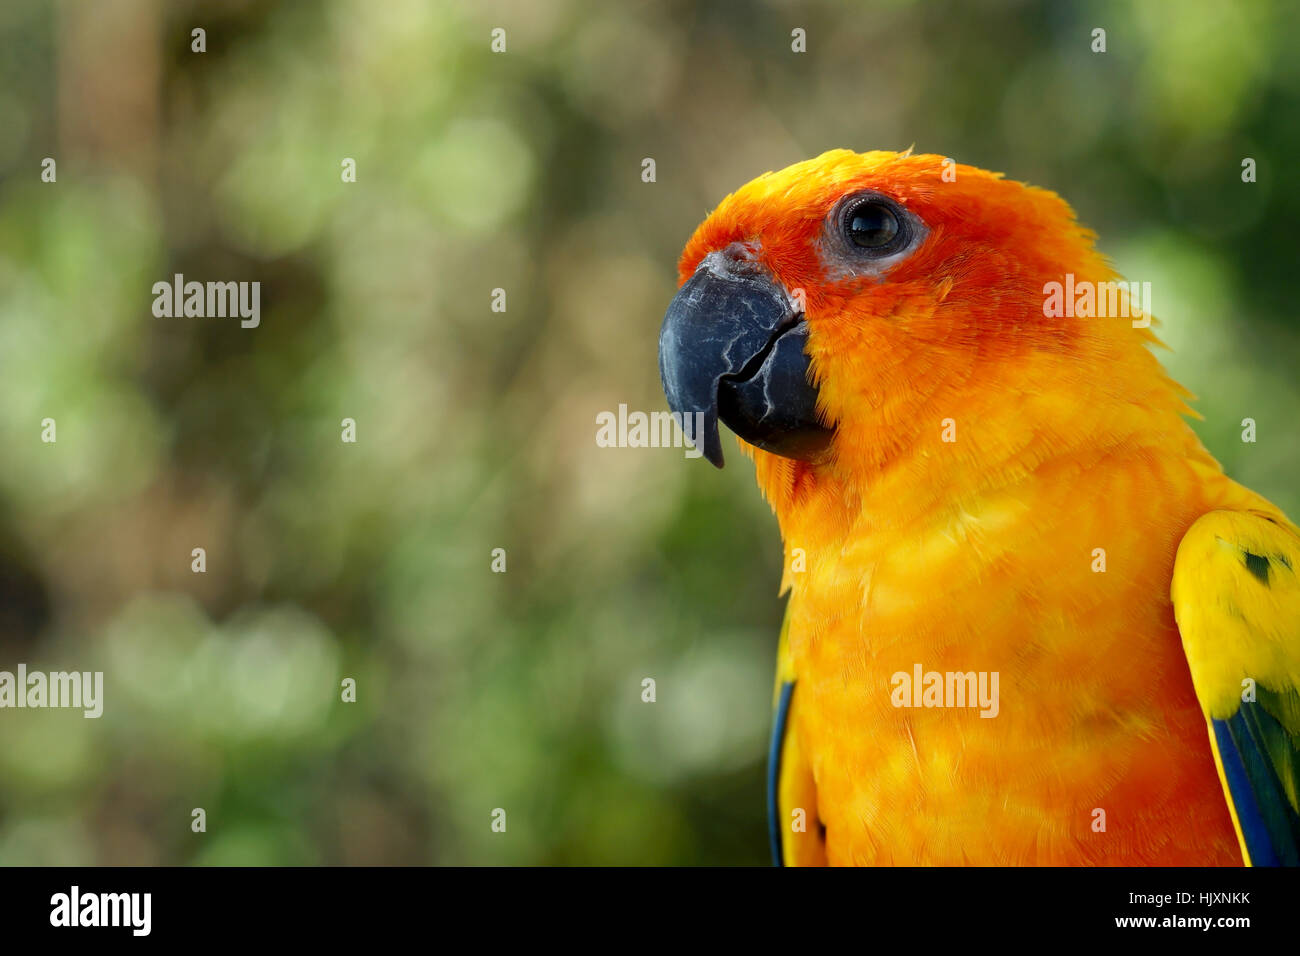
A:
x: 1236, y: 596
x: 804, y: 845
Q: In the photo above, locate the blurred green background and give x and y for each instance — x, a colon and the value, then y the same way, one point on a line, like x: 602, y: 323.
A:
x: 476, y: 429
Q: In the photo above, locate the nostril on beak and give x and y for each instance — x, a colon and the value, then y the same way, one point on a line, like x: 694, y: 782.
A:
x: 740, y: 259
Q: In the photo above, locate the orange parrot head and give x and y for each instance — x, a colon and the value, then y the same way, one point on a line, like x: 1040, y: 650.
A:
x: 835, y: 313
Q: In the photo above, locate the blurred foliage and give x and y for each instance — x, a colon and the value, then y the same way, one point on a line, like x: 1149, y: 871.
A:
x: 476, y: 429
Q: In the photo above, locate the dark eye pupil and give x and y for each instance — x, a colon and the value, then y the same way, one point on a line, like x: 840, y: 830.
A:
x: 872, y: 225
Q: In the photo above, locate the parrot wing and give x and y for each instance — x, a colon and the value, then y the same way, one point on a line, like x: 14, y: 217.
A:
x: 796, y: 840
x: 1236, y: 596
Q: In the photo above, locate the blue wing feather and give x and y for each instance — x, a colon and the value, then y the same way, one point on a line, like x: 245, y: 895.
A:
x: 1269, y: 826
x: 774, y: 772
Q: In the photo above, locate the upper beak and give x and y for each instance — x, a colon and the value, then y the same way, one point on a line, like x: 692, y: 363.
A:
x: 732, y: 345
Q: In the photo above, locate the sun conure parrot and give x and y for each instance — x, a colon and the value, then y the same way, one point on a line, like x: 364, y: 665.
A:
x: 973, y: 485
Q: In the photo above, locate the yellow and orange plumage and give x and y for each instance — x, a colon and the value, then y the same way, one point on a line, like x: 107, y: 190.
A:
x: 980, y: 553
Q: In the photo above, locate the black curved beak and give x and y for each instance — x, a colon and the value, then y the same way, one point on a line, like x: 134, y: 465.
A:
x: 732, y: 346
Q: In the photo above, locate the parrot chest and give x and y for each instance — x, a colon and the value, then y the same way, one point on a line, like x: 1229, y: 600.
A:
x: 1001, y: 692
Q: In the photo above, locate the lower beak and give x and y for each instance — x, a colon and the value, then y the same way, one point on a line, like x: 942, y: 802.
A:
x: 733, y: 346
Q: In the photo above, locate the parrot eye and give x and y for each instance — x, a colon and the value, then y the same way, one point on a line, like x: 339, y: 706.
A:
x: 876, y: 226
x: 866, y: 234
